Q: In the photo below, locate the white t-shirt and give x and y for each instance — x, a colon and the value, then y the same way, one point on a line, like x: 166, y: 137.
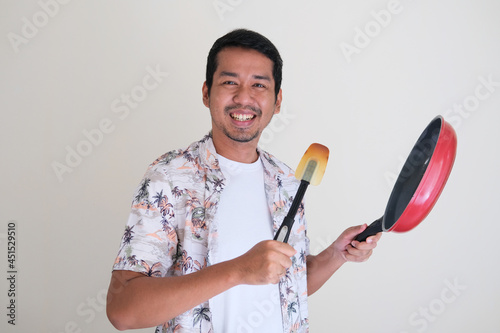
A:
x: 244, y: 219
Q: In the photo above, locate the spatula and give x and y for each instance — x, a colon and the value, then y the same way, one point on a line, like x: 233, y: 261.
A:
x: 310, y: 171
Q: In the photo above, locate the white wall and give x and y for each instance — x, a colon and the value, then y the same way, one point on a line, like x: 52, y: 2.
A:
x: 65, y: 68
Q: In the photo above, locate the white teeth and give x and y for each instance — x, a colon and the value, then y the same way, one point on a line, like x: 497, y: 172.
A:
x: 242, y: 117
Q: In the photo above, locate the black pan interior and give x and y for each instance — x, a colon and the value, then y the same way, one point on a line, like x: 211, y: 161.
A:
x: 411, y: 174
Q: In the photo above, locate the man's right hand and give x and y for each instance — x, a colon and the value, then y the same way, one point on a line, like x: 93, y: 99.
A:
x: 265, y: 263
x: 136, y: 300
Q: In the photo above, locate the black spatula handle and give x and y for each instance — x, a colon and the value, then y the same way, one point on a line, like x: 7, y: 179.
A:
x: 286, y: 226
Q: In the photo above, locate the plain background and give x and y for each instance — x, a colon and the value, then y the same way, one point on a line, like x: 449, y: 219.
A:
x: 408, y: 61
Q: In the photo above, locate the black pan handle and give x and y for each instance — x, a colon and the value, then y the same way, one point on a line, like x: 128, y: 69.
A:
x: 371, y: 230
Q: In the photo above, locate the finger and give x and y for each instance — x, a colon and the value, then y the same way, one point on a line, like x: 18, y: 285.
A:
x: 377, y: 237
x: 284, y: 248
x: 352, y: 232
x: 356, y: 255
x: 369, y: 243
x: 285, y: 263
x: 277, y: 275
x: 352, y: 258
x: 276, y: 279
x: 358, y: 252
x: 354, y: 250
x: 364, y: 246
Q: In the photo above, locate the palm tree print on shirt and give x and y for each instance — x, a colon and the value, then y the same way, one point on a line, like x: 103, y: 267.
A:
x: 151, y: 271
x: 132, y: 260
x: 128, y: 235
x: 161, y: 201
x: 291, y: 308
x: 201, y: 314
x: 143, y: 193
x: 176, y: 192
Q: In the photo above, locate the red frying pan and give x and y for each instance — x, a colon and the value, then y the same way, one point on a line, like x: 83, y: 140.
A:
x: 420, y: 181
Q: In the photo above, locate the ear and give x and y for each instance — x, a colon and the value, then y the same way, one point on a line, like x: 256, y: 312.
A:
x: 277, y: 106
x: 204, y: 91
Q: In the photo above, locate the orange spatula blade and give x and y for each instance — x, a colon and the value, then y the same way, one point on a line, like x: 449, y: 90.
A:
x: 312, y: 166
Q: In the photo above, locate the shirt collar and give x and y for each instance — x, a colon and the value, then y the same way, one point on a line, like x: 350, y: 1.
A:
x: 208, y: 157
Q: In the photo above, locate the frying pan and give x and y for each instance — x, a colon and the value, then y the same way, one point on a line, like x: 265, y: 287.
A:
x: 420, y: 181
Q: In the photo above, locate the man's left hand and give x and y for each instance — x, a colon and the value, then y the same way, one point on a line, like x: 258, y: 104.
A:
x: 352, y: 250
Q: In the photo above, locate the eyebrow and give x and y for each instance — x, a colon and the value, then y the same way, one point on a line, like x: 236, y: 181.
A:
x: 258, y: 77
x: 231, y: 74
x: 262, y: 77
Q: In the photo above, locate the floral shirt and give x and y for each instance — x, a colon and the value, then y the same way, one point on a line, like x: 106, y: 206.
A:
x: 171, y: 230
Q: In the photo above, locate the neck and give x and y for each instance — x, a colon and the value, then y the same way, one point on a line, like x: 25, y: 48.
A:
x: 243, y: 152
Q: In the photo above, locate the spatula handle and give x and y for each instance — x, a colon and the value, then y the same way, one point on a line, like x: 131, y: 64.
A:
x: 284, y: 230
x: 286, y: 226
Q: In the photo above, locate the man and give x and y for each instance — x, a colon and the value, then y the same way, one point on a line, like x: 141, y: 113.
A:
x: 198, y: 254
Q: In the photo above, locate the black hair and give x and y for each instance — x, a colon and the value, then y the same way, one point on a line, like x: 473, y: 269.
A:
x: 250, y: 40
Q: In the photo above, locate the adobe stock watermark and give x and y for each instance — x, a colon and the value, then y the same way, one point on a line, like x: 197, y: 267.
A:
x: 278, y: 124
x: 421, y: 319
x: 455, y: 115
x: 121, y: 107
x: 224, y: 6
x: 460, y: 111
x: 364, y: 36
x: 12, y: 271
x: 31, y: 26
x: 88, y: 309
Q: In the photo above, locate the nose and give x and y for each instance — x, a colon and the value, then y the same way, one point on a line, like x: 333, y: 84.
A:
x: 243, y: 95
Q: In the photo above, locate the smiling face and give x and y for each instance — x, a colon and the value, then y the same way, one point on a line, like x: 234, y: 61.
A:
x: 242, y: 100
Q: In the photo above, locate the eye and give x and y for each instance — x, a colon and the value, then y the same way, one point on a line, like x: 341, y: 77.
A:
x: 229, y: 82
x: 259, y: 85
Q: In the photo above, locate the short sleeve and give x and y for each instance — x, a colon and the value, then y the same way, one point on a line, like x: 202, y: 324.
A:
x: 149, y: 242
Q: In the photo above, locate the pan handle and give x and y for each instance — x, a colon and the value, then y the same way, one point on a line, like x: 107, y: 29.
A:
x: 371, y: 230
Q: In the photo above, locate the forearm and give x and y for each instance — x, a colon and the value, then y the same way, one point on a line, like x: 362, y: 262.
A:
x: 144, y: 301
x: 321, y: 267
x: 137, y: 301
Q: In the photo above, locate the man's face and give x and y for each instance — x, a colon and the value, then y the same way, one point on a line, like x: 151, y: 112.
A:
x: 242, y: 99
